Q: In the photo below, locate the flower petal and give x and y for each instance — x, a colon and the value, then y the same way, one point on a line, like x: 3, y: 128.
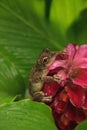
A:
x: 82, y: 63
x: 60, y: 107
x: 76, y: 95
x: 59, y: 102
x: 81, y: 78
x: 70, y: 111
x: 81, y: 52
x: 50, y: 88
x: 80, y: 115
x: 85, y: 103
x: 56, y: 64
x: 71, y: 50
x: 54, y: 71
x: 63, y: 76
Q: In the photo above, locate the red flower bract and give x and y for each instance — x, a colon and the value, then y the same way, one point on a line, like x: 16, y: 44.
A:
x: 69, y: 89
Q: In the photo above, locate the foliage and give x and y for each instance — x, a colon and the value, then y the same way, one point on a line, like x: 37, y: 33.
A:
x: 26, y: 27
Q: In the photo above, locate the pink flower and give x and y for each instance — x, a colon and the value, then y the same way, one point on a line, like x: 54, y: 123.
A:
x: 69, y: 90
x: 74, y: 72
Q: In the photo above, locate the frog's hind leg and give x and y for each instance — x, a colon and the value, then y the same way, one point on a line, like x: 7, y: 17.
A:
x: 41, y: 97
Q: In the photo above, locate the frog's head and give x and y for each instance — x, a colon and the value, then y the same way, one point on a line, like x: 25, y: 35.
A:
x: 46, y: 58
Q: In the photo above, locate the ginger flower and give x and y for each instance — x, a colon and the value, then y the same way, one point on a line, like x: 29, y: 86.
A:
x: 69, y: 90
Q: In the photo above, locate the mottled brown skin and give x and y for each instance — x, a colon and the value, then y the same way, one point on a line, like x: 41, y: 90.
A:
x: 39, y: 75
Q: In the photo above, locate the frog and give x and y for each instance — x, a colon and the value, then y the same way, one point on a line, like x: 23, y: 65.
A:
x: 39, y: 75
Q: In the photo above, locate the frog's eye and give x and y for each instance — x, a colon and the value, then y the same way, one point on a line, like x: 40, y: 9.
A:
x: 45, y: 59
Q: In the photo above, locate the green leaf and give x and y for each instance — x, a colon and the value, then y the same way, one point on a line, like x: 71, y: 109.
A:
x: 26, y: 115
x: 77, y: 32
x: 82, y: 126
x: 47, y: 8
x: 65, y: 12
x: 11, y: 82
x: 24, y: 33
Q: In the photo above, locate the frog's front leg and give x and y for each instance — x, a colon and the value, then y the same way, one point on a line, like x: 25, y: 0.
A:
x: 40, y: 96
x: 55, y: 78
x: 48, y: 78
